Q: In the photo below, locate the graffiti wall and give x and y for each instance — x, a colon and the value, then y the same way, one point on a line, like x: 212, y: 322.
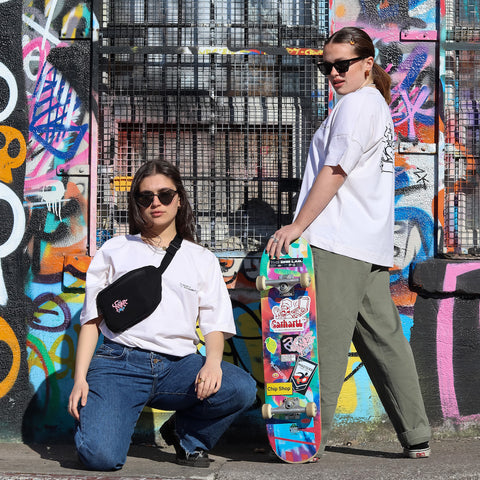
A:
x: 14, y: 376
x: 48, y: 125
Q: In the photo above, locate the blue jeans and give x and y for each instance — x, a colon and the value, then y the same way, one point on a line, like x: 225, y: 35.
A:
x: 123, y: 380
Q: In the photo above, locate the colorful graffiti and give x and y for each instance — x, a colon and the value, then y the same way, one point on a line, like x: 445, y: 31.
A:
x: 44, y: 173
x: 47, y: 126
x: 14, y: 382
x: 56, y: 195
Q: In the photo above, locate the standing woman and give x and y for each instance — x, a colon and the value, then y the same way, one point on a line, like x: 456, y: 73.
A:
x: 346, y: 212
x: 155, y: 363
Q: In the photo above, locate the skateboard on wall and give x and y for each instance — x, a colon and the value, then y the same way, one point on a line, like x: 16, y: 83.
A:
x: 290, y: 362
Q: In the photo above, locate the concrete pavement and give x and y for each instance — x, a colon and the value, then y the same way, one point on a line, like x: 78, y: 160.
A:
x: 452, y: 459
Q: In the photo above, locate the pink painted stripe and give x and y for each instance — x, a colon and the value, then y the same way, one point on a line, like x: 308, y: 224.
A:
x: 448, y: 397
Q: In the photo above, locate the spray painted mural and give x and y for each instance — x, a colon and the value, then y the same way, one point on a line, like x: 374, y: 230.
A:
x: 14, y: 382
x: 44, y: 169
x: 47, y: 151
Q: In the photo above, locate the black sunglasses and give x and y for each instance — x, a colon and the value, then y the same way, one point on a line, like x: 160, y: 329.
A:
x: 341, y: 66
x: 165, y: 196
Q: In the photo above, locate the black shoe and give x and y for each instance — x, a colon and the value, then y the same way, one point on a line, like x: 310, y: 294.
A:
x: 198, y: 458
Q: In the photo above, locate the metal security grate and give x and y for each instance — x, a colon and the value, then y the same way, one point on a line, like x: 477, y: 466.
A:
x: 463, y: 20
x: 462, y: 138
x: 228, y: 91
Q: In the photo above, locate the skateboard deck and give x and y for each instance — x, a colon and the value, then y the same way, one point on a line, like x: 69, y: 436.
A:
x: 289, y: 337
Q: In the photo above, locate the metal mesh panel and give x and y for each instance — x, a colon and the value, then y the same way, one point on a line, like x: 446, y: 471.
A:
x: 463, y: 20
x: 228, y: 91
x: 462, y: 139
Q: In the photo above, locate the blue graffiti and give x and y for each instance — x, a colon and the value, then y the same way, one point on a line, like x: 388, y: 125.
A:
x: 408, y: 219
x: 55, y: 108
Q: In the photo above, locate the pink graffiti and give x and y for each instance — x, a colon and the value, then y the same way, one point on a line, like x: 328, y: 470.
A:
x: 48, y: 135
x: 36, y: 44
x: 411, y: 105
x: 448, y: 397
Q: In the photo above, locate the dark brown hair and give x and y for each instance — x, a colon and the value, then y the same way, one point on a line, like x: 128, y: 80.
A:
x: 184, y: 220
x: 363, y: 46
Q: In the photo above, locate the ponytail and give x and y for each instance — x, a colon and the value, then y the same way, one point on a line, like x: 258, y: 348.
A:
x: 382, y: 81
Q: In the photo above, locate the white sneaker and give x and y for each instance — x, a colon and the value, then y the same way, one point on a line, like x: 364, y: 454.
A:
x: 422, y: 450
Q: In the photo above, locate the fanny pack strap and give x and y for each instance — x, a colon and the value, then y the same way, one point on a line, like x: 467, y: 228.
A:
x: 170, y: 253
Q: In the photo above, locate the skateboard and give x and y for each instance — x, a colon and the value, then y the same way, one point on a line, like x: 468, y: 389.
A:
x: 290, y: 362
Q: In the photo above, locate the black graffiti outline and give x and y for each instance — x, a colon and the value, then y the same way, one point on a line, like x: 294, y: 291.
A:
x: 62, y: 304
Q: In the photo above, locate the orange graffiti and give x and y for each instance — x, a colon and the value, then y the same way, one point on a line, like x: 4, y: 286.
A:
x: 7, y: 335
x: 52, y: 261
x: 7, y: 162
x: 340, y: 11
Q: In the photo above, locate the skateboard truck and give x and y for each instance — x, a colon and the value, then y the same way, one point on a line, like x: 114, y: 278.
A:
x: 284, y: 283
x: 291, y: 408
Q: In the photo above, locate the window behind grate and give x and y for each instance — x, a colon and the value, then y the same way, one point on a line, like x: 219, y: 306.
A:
x: 462, y: 136
x: 228, y: 92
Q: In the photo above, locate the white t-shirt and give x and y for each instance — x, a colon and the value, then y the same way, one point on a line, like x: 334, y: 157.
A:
x: 192, y: 287
x: 359, y: 221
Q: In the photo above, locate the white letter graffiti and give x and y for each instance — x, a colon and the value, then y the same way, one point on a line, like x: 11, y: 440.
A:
x: 18, y: 229
x: 7, y: 75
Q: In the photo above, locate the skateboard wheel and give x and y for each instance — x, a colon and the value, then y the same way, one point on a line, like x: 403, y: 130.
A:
x: 311, y: 409
x: 261, y: 283
x: 305, y: 280
x: 267, y: 411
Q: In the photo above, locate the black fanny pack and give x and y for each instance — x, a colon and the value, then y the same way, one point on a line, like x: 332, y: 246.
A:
x: 135, y: 295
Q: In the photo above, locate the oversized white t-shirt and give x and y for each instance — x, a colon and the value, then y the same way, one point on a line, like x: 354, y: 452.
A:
x: 192, y: 287
x: 359, y: 221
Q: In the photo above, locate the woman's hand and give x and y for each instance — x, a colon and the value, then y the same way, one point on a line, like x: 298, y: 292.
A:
x: 209, y: 378
x: 280, y: 241
x: 87, y: 342
x: 78, y: 395
x: 208, y: 381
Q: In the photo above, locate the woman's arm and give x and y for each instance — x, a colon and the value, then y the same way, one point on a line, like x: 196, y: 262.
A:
x: 209, y: 378
x: 326, y: 185
x: 87, y: 342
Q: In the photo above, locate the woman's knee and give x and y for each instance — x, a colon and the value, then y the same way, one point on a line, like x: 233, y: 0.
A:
x: 99, y: 455
x: 243, y: 388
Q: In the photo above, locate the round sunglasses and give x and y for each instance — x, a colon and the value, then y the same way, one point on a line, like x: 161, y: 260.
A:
x: 165, y: 196
x: 341, y: 66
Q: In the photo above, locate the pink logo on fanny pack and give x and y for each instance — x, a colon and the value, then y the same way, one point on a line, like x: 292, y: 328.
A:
x: 119, y: 305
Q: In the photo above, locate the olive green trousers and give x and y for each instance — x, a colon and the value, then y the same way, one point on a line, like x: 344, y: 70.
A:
x: 354, y: 303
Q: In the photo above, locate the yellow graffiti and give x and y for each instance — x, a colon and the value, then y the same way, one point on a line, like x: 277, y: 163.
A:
x: 347, y: 401
x: 7, y: 335
x: 7, y: 162
x: 74, y: 16
x: 68, y: 361
x: 304, y: 51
